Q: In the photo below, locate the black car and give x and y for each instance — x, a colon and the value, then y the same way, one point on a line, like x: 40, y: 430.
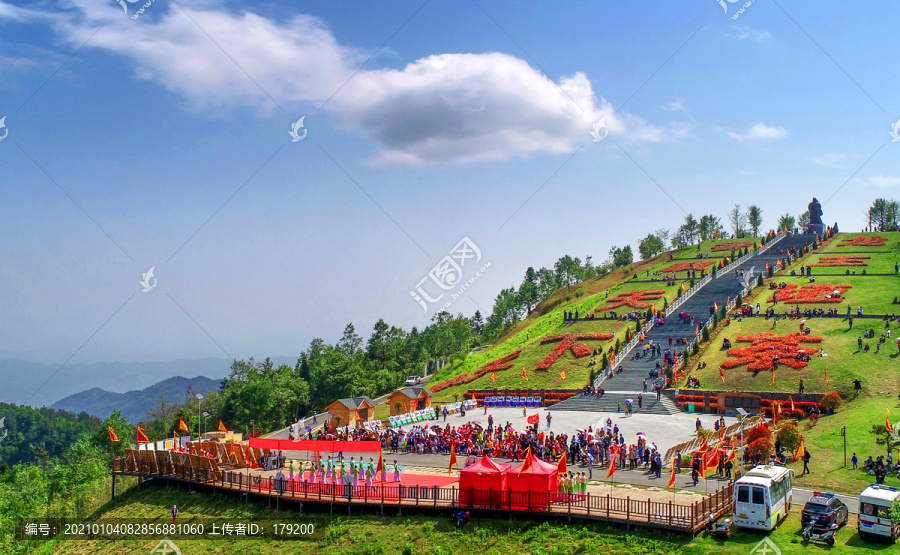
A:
x: 825, y: 509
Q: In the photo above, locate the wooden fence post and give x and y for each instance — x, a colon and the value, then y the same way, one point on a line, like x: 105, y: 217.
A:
x: 648, y: 510
x: 670, y: 512
x: 628, y: 508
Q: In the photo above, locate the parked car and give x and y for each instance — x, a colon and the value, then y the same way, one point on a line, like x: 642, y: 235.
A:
x: 824, y: 509
x: 414, y: 380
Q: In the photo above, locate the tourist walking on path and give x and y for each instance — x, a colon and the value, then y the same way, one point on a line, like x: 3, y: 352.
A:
x: 549, y: 418
x: 806, y: 458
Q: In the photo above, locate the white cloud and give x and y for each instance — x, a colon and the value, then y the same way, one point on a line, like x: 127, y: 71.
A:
x: 759, y: 132
x: 883, y: 181
x: 440, y: 108
x: 744, y: 32
x: 676, y: 105
x: 835, y: 160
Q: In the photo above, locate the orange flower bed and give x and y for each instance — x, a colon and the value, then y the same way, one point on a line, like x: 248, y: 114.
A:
x: 632, y: 298
x: 760, y: 355
x: 569, y: 341
x: 687, y: 266
x: 464, y: 378
x: 727, y: 247
x: 811, y: 293
x: 877, y: 241
x: 829, y: 261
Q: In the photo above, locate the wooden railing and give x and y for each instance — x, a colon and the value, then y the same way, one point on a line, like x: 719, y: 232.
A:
x: 631, y: 509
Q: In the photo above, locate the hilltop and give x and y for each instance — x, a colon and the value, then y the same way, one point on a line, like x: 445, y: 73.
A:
x: 135, y: 404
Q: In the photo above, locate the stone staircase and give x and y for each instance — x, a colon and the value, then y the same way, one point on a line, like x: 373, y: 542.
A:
x: 629, y: 383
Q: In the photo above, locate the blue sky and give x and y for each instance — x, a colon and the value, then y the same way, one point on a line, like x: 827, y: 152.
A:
x: 163, y: 141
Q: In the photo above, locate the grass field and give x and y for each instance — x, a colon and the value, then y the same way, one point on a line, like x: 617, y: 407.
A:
x: 370, y: 534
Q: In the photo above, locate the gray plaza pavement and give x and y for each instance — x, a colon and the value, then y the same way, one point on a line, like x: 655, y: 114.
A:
x: 663, y: 430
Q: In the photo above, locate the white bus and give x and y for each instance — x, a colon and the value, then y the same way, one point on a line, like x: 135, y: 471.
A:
x: 762, y: 497
x: 874, y: 503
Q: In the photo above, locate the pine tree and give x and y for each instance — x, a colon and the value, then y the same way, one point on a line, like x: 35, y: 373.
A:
x: 695, y: 350
x: 705, y: 333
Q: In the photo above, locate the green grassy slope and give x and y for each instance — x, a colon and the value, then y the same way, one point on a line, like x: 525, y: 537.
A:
x: 547, y: 320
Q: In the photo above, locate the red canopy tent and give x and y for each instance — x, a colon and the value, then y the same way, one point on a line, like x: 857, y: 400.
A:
x: 532, y: 488
x: 483, y: 483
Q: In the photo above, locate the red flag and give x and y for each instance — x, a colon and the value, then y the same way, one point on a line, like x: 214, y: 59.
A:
x: 452, y: 458
x: 715, y: 306
x: 533, y: 419
x: 826, y: 378
x: 801, y: 451
x: 182, y: 426
x: 222, y: 427
x: 232, y: 447
x: 672, y: 477
x: 767, y: 266
x: 112, y: 434
x: 141, y: 436
x: 528, y: 462
x: 175, y: 435
x: 697, y: 331
x: 524, y: 375
x: 887, y: 422
x: 703, y: 466
x: 730, y: 457
x: 563, y: 374
x: 561, y: 465
x: 705, y: 447
x: 494, y: 376
x: 712, y: 458
x: 357, y: 415
x: 380, y: 467
x: 612, y: 463
x: 792, y: 404
x: 773, y: 375
x: 722, y: 374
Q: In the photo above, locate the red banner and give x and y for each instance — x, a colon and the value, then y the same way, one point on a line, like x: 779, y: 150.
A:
x: 314, y: 445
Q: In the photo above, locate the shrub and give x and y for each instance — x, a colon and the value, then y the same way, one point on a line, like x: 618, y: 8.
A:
x: 813, y: 419
x: 759, y: 281
x: 789, y: 436
x: 758, y: 432
x: 695, y: 350
x: 686, y: 460
x: 764, y: 446
x: 705, y: 333
x: 580, y: 291
x: 831, y: 401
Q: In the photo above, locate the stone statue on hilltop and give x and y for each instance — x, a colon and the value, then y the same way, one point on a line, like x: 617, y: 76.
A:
x: 815, y: 216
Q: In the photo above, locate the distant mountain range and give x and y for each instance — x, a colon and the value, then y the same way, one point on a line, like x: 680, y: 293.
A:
x: 21, y: 379
x: 135, y: 404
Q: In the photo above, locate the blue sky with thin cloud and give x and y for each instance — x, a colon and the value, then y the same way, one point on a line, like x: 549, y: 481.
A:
x: 163, y: 141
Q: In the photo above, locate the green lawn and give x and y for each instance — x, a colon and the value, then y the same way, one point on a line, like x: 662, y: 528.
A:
x: 844, y: 362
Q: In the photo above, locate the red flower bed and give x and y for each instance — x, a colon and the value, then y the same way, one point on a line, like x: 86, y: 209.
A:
x: 570, y: 341
x: 811, y: 293
x: 877, y: 241
x: 633, y: 299
x: 502, y: 363
x: 688, y: 266
x: 760, y: 355
x: 828, y: 261
x: 691, y: 398
x: 727, y: 247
